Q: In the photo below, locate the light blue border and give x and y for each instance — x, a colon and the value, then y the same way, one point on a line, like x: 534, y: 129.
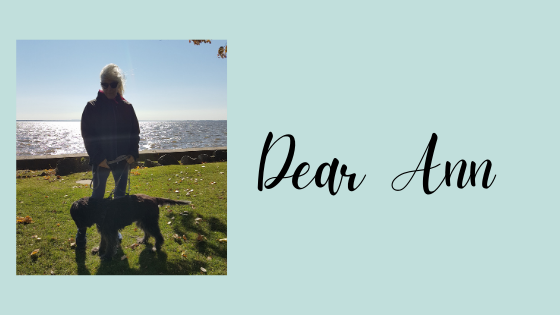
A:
x: 367, y: 83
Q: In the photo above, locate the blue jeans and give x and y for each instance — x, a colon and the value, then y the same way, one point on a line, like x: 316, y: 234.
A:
x: 100, y: 175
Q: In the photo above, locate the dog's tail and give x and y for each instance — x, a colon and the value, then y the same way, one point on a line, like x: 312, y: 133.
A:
x: 165, y: 201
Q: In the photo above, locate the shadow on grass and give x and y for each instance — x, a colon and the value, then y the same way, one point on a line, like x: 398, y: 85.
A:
x: 187, y: 267
x: 206, y: 248
x: 188, y: 224
x: 217, y: 225
x: 152, y: 262
x: 115, y: 266
x: 81, y: 256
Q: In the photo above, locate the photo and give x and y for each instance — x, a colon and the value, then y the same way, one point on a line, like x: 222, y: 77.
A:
x: 121, y: 157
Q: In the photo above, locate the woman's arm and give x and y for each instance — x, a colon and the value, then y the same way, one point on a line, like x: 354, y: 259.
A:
x: 134, y: 135
x: 91, y: 139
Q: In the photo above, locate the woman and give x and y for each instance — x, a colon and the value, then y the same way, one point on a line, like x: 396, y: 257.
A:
x: 111, y: 136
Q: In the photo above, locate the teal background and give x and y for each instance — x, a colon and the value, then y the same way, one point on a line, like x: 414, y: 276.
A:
x: 368, y: 83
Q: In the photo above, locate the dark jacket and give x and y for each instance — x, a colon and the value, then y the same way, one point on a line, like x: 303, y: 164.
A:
x: 110, y: 129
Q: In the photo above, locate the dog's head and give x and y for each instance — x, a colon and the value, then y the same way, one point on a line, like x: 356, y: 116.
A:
x: 82, y: 213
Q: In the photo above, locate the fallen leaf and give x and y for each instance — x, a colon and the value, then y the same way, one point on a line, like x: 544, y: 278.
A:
x: 34, y: 253
x: 222, y: 240
x: 184, y: 237
x: 184, y: 254
x: 169, y: 222
x: 200, y: 237
x: 25, y: 220
x: 201, y: 268
x: 123, y: 257
x: 72, y: 245
x: 209, y: 258
x: 52, y: 272
x: 133, y: 246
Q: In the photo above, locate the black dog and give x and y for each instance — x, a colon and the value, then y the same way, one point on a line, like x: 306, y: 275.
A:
x: 112, y: 215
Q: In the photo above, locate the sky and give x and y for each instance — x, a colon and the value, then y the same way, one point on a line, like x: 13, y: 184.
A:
x: 165, y: 80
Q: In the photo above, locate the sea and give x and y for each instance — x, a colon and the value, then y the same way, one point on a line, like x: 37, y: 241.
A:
x: 49, y: 137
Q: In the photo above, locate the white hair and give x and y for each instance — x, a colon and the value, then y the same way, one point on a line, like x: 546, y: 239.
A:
x: 113, y: 72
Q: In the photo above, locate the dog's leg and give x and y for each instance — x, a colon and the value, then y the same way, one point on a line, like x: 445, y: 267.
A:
x: 102, y: 248
x: 152, y: 228
x: 109, y: 241
x: 141, y: 226
x: 144, y: 239
x: 158, y: 237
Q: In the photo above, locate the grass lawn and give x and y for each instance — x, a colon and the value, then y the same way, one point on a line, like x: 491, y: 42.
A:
x: 195, y: 243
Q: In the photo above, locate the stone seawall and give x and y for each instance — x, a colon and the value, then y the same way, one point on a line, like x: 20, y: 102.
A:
x: 38, y: 162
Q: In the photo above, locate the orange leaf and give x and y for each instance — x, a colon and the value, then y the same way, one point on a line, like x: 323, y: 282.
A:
x: 25, y: 220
